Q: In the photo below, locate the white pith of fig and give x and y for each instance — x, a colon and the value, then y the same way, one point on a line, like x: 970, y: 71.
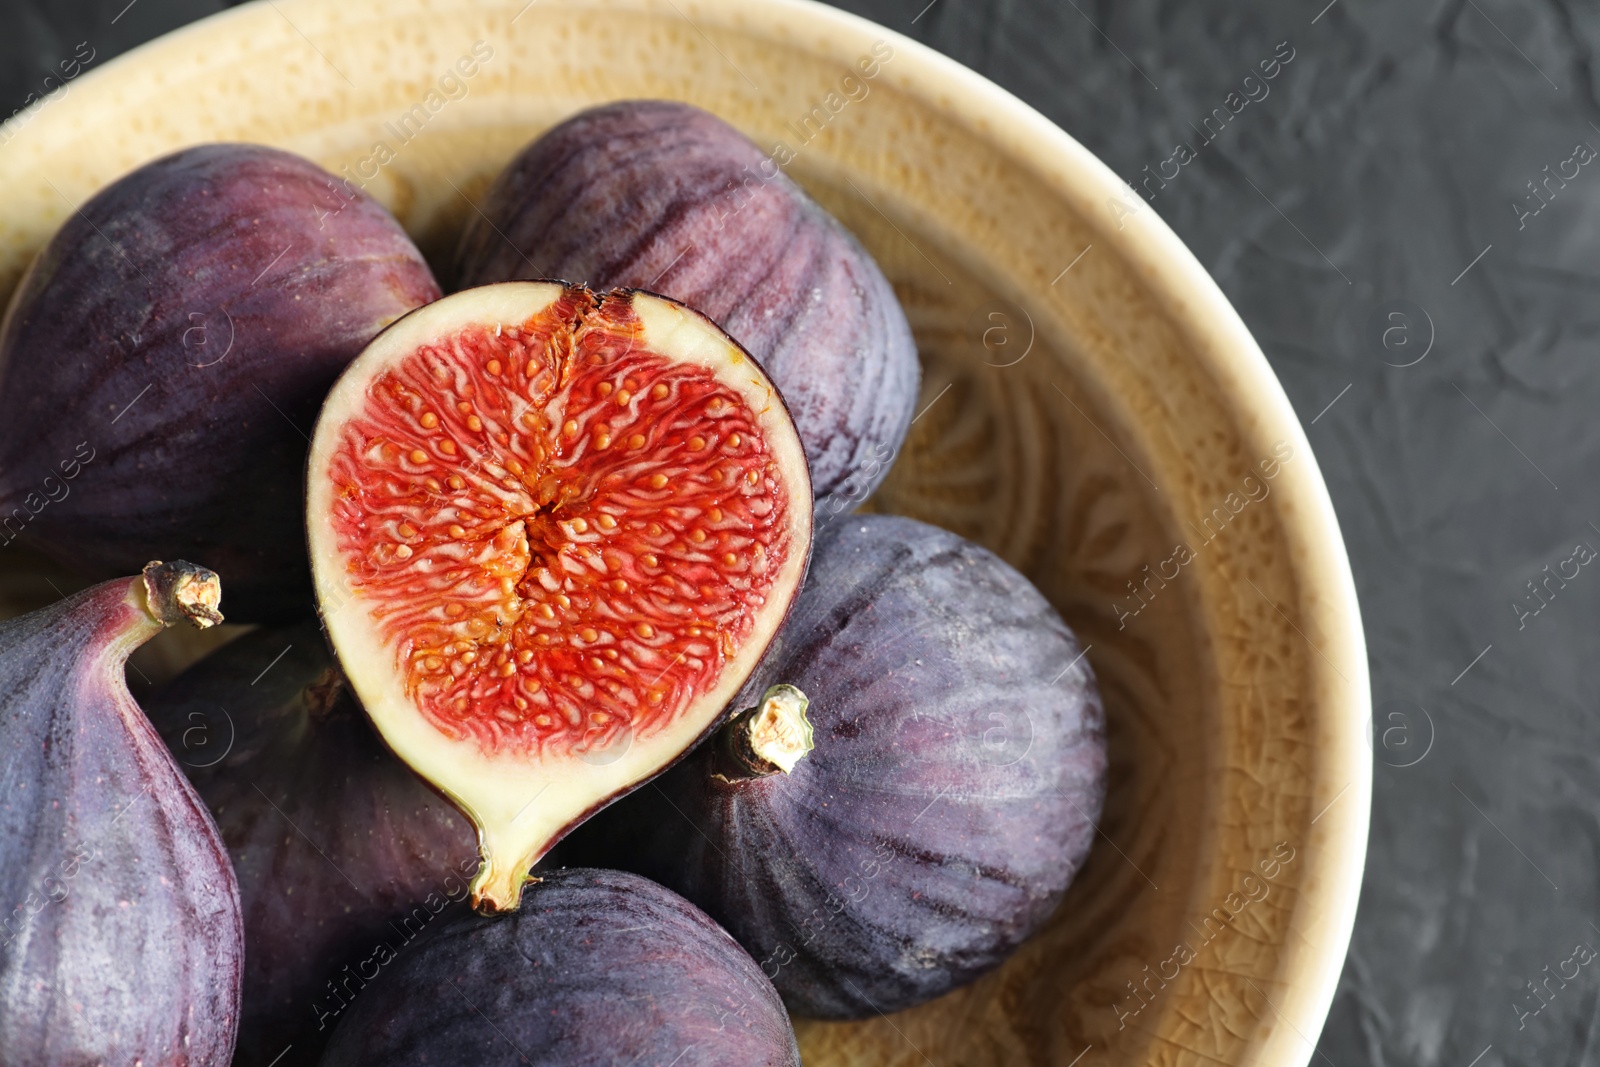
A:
x: 552, y: 533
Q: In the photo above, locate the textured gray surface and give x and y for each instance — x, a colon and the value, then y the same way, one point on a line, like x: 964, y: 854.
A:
x: 1384, y: 162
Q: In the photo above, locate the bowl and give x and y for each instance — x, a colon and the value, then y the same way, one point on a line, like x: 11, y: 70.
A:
x: 1092, y: 409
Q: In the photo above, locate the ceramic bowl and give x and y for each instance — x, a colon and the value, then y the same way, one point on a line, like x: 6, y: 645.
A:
x: 1092, y: 409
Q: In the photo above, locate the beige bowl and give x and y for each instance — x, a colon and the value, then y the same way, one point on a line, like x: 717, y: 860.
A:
x: 1090, y: 402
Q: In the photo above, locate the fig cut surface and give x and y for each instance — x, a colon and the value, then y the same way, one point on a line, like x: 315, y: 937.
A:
x: 552, y: 533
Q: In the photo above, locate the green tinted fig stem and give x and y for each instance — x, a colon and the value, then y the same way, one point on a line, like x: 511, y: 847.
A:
x: 773, y: 736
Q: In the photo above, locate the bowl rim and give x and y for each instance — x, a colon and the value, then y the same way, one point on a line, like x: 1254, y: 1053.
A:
x: 1217, y: 340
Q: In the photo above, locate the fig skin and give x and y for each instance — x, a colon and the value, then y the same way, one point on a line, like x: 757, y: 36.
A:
x: 162, y: 365
x: 665, y: 197
x: 598, y: 967
x: 949, y: 800
x: 121, y: 941
x: 333, y: 838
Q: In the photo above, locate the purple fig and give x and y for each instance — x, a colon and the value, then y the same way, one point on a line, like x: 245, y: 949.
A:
x: 662, y: 196
x: 121, y: 943
x: 163, y: 359
x: 598, y: 967
x: 340, y: 849
x: 958, y: 770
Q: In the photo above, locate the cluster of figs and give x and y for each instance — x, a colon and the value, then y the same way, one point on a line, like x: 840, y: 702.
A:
x: 515, y: 555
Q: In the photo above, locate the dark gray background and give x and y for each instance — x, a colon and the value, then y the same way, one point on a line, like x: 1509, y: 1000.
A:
x: 1385, y: 160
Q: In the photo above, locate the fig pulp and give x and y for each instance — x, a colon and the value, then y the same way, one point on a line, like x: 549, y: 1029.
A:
x: 120, y: 942
x: 599, y: 967
x: 666, y: 197
x: 342, y: 853
x: 551, y: 534
x: 165, y: 355
x: 958, y: 770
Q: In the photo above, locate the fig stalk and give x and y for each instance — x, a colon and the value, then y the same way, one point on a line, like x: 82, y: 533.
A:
x: 178, y: 592
x: 164, y: 595
x: 771, y: 737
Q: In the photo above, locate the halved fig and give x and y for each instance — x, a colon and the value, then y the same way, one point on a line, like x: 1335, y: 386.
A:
x: 551, y: 533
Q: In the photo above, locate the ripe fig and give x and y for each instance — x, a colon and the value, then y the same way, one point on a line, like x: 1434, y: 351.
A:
x: 599, y: 967
x: 958, y: 770
x: 120, y: 942
x: 666, y: 197
x: 340, y: 849
x: 551, y: 534
x: 166, y: 353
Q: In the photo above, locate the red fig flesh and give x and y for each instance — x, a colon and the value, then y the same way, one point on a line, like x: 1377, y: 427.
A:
x: 342, y: 852
x: 121, y: 942
x: 551, y: 534
x: 165, y: 355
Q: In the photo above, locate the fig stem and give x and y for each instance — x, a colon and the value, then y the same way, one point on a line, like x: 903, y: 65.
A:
x: 773, y: 736
x: 496, y: 891
x: 179, y: 591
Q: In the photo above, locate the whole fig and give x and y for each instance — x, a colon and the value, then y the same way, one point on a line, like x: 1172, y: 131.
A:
x: 598, y: 967
x: 163, y: 359
x: 120, y: 942
x: 339, y: 848
x: 957, y: 772
x: 662, y: 196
